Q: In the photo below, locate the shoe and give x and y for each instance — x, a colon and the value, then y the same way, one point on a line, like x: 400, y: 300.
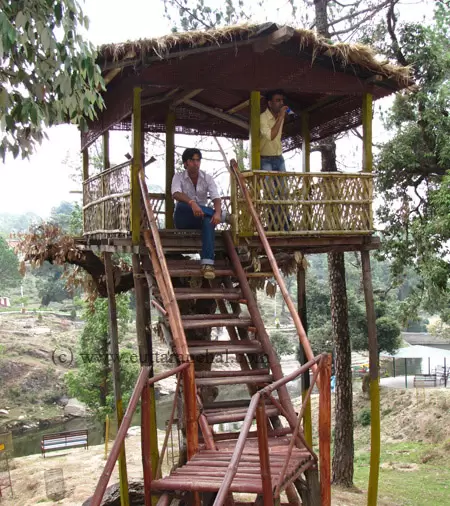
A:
x: 208, y: 271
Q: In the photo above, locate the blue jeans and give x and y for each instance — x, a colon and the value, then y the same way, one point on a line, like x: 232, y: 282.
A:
x: 184, y: 218
x: 273, y: 163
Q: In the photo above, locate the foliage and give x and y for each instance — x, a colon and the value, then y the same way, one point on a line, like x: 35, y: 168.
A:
x: 50, y: 284
x: 13, y: 223
x: 63, y: 216
x: 92, y: 382
x: 9, y: 267
x: 439, y: 329
x: 281, y: 343
x: 364, y: 417
x: 48, y: 73
x: 413, y: 168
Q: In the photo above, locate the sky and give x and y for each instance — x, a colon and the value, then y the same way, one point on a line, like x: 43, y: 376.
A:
x: 43, y: 181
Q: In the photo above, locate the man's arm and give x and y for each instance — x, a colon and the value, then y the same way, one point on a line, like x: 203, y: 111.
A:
x: 215, y: 197
x: 271, y: 133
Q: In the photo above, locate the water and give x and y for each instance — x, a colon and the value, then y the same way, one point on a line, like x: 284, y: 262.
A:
x: 29, y: 443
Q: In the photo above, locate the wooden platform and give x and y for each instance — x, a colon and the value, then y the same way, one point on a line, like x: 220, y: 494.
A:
x: 189, y: 241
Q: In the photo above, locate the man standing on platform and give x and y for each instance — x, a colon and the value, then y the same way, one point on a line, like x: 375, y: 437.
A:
x: 271, y: 128
x: 191, y: 189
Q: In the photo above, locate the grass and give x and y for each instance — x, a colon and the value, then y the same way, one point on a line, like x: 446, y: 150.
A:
x: 411, y: 474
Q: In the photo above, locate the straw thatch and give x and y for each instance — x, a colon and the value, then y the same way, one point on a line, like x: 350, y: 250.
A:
x: 342, y: 53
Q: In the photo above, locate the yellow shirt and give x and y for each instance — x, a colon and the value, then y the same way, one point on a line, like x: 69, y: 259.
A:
x: 269, y: 147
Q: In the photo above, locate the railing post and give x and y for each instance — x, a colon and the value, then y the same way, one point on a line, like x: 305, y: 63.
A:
x: 306, y: 145
x: 85, y: 154
x: 135, y: 194
x: 255, y: 112
x: 170, y: 167
x: 263, y: 449
x: 106, y: 165
x: 325, y: 430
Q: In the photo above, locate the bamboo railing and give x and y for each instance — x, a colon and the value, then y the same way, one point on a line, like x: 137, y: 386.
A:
x: 305, y: 203
x: 257, y: 407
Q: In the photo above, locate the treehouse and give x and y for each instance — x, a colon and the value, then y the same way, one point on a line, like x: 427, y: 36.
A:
x: 211, y: 84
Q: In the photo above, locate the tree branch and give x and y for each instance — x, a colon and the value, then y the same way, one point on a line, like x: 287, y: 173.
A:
x: 188, y: 11
x: 391, y: 23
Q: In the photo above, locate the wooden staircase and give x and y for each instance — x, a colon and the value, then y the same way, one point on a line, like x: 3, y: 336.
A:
x: 266, y: 461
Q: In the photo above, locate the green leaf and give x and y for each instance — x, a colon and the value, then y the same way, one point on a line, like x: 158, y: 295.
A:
x: 58, y: 11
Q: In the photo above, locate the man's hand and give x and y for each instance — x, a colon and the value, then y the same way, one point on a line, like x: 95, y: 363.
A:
x: 283, y: 111
x: 216, y: 218
x: 197, y: 210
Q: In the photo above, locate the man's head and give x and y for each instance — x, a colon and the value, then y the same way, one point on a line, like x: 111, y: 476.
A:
x: 191, y: 159
x: 275, y: 100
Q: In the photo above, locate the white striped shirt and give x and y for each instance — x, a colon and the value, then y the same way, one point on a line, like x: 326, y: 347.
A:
x: 206, y: 186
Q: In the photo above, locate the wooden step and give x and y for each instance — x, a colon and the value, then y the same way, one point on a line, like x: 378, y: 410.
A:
x: 230, y: 374
x: 193, y: 272
x: 234, y: 415
x: 198, y: 323
x: 204, y: 293
x: 236, y: 380
x: 225, y: 347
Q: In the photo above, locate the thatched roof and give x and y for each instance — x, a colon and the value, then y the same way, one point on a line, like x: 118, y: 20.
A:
x: 316, y: 74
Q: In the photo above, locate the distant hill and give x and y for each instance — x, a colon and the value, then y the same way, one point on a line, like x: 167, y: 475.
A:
x: 17, y: 222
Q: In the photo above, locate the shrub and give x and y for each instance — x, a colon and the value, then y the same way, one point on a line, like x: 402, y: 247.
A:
x: 364, y: 417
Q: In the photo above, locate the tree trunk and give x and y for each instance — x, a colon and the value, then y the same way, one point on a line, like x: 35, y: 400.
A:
x: 320, y: 7
x: 343, y: 433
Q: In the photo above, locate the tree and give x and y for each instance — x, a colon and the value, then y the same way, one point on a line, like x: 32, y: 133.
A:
x: 48, y: 73
x: 91, y: 382
x: 413, y: 167
x: 9, y: 267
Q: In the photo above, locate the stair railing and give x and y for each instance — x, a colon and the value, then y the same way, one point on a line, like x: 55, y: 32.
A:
x: 256, y: 407
x: 142, y: 382
x: 273, y: 263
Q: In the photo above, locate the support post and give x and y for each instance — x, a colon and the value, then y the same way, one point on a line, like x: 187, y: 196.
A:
x: 149, y: 435
x: 106, y: 166
x: 170, y: 167
x: 306, y: 145
x: 263, y: 449
x: 85, y: 155
x: 301, y: 304
x: 325, y: 430
x: 393, y: 365
x: 367, y: 113
x: 255, y: 113
x: 135, y: 193
x: 114, y: 348
x: 406, y: 373
x: 372, y: 493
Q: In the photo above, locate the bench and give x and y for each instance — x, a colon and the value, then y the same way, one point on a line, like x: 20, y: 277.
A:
x: 61, y: 440
x: 425, y: 380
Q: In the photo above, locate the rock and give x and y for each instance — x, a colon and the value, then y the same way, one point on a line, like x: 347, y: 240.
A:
x: 4, y: 412
x: 134, y: 431
x: 62, y: 401
x: 21, y: 417
x: 112, y: 495
x: 75, y: 408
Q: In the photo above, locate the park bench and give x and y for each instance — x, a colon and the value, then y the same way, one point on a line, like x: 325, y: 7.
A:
x: 425, y: 380
x: 61, y: 440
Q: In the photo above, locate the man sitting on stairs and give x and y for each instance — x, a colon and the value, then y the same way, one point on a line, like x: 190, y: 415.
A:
x: 191, y: 189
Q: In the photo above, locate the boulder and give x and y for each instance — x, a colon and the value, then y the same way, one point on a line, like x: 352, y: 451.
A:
x: 112, y: 495
x: 75, y: 408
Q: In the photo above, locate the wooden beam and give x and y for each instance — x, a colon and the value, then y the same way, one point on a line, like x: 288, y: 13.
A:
x: 114, y: 72
x: 185, y: 96
x: 279, y: 36
x: 325, y: 430
x: 135, y: 203
x: 170, y: 167
x: 255, y: 121
x: 306, y: 146
x: 218, y: 114
x: 115, y: 366
x: 85, y: 164
x: 238, y: 107
x: 160, y: 98
x: 367, y: 132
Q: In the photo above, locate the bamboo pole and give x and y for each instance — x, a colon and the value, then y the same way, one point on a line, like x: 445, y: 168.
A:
x: 263, y: 337
x: 273, y: 263
x: 146, y: 444
x: 325, y: 430
x: 255, y: 136
x: 170, y: 166
x: 263, y: 449
x: 135, y: 204
x: 165, y: 286
x: 372, y: 493
x: 120, y: 437
x: 301, y: 305
x: 114, y: 346
x: 306, y: 147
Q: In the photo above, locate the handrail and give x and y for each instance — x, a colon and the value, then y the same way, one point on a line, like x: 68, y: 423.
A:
x: 143, y: 378
x: 240, y: 444
x: 273, y: 263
